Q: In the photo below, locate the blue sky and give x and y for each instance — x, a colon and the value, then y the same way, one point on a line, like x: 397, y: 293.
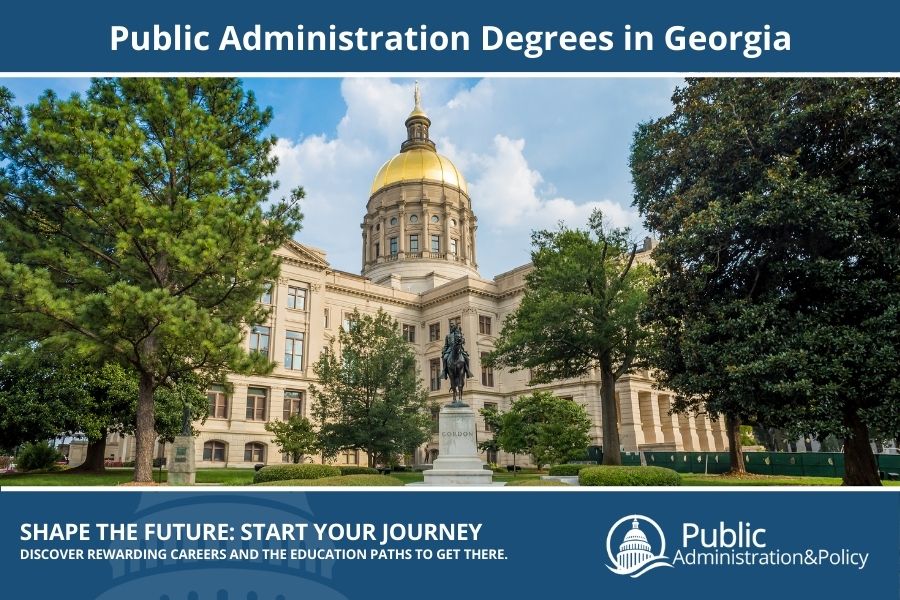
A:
x: 534, y: 150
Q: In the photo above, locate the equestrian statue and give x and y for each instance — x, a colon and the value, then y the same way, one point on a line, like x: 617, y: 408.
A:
x: 456, y: 363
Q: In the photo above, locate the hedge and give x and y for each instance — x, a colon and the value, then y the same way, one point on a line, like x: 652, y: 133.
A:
x: 536, y: 483
x: 343, y: 480
x: 293, y: 471
x: 567, y: 470
x: 610, y: 475
x: 354, y: 470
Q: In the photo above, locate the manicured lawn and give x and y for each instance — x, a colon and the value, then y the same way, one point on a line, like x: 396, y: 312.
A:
x: 117, y: 476
x: 245, y: 477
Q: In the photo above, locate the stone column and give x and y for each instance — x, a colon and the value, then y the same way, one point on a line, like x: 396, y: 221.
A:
x: 670, y: 428
x: 650, y: 419
x: 385, y: 251
x: 704, y: 432
x: 446, y: 236
x: 365, y: 247
x: 689, y: 432
x: 720, y: 435
x: 401, y: 243
x: 631, y: 434
x: 463, y: 237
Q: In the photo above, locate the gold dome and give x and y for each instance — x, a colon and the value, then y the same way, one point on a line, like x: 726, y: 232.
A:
x: 417, y: 165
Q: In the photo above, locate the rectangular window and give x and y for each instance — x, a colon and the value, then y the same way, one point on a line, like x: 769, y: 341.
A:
x: 348, y: 322
x: 454, y: 321
x: 327, y: 320
x: 394, y: 248
x: 256, y: 404
x: 454, y: 246
x: 377, y: 249
x: 266, y: 297
x: 218, y: 402
x: 414, y: 243
x: 436, y: 244
x: 434, y: 332
x: 259, y: 339
x: 254, y: 453
x: 489, y: 406
x: 487, y: 373
x: 409, y: 333
x: 296, y: 298
x: 293, y: 404
x: 435, y: 415
x: 435, y: 369
x: 293, y: 350
x: 484, y: 325
x: 350, y: 457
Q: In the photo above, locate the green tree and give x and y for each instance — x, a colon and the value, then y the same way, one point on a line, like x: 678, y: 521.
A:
x: 579, y: 314
x: 369, y: 396
x: 508, y: 433
x: 44, y: 395
x: 296, y: 437
x: 551, y: 429
x: 132, y: 225
x: 777, y: 204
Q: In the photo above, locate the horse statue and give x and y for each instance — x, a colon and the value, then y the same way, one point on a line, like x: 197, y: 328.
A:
x: 456, y: 365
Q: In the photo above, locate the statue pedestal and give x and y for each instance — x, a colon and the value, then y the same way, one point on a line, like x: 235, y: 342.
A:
x: 182, y: 470
x: 458, y: 462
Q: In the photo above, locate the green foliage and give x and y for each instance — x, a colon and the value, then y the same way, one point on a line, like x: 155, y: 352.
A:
x: 44, y: 394
x: 296, y: 437
x: 579, y: 312
x: 536, y: 483
x: 38, y: 455
x: 616, y: 475
x: 356, y: 470
x: 567, y: 470
x: 549, y: 428
x: 344, y: 480
x: 747, y: 437
x: 776, y: 200
x: 132, y: 226
x: 291, y: 471
x: 368, y: 395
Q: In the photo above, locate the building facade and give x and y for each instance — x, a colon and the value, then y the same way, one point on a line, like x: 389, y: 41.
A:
x: 419, y: 264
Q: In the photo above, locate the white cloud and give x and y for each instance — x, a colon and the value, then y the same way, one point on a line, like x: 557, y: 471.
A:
x: 534, y: 151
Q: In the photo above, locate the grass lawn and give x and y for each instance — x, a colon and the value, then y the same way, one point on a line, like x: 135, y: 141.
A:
x: 245, y: 477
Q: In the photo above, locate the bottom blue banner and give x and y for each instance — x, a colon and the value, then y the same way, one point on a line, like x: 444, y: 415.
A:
x: 288, y: 545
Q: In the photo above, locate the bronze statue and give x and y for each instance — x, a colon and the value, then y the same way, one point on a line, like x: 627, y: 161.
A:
x: 456, y: 363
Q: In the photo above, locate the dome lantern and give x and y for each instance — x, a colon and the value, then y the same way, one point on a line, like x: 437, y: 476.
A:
x: 417, y: 124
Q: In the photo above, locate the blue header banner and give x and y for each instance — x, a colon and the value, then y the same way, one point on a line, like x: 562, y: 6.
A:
x: 287, y: 545
x: 463, y: 36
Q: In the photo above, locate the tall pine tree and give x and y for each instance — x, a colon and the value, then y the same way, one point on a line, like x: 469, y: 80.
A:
x: 133, y: 224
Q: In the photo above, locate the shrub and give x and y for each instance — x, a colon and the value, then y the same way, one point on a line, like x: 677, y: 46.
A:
x: 37, y: 456
x: 344, y: 480
x: 536, y: 483
x: 354, y: 470
x: 610, y: 475
x: 567, y: 470
x: 292, y: 471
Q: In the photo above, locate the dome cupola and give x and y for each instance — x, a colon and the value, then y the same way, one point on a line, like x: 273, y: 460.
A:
x: 419, y: 228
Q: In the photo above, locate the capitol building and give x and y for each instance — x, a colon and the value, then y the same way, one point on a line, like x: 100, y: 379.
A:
x: 419, y: 257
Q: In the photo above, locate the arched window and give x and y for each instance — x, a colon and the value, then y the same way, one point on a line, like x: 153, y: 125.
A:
x: 255, y: 452
x: 214, y: 451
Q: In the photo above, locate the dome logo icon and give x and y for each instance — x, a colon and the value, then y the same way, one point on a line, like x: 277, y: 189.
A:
x: 635, y: 554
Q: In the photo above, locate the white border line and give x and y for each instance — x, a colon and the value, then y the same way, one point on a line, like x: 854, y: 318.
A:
x: 445, y: 75
x: 228, y: 489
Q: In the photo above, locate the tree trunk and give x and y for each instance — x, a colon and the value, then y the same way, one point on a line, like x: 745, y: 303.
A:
x: 145, y: 431
x: 610, y: 417
x: 95, y: 458
x: 735, y: 451
x: 860, y: 467
x: 371, y: 459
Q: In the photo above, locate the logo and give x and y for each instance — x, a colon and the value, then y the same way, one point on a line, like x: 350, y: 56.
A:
x: 635, y: 555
